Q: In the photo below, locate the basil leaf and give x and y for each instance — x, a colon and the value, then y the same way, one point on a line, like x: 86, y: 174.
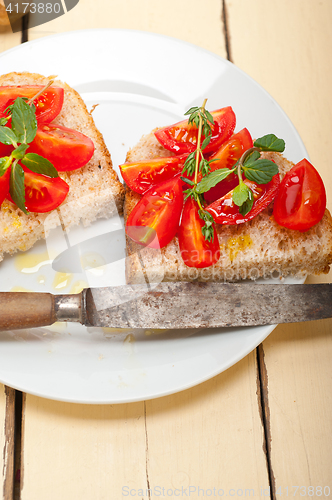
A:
x: 270, y: 142
x: 252, y: 157
x: 7, y: 136
x: 24, y: 122
x: 17, y: 191
x: 39, y: 165
x: 245, y: 208
x: 240, y: 194
x: 212, y: 179
x: 19, y: 152
x: 261, y: 171
x: 4, y: 165
x: 3, y: 121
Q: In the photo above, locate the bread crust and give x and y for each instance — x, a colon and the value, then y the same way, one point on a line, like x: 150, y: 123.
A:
x: 94, y: 190
x: 259, y: 248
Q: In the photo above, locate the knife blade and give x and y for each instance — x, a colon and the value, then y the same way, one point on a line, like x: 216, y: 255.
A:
x: 170, y: 306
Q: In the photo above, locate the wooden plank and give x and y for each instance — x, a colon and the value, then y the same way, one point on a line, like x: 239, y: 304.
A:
x: 292, y: 63
x: 81, y: 451
x: 8, y: 39
x: 180, y: 19
x: 209, y: 438
x: 298, y: 361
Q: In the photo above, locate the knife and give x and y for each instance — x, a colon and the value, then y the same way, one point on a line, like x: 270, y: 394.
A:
x: 170, y: 306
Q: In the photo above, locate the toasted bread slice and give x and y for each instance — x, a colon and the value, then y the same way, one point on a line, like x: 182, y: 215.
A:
x: 257, y: 248
x: 94, y: 190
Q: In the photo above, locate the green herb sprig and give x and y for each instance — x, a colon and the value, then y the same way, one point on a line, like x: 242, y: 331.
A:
x: 252, y: 166
x: 202, y: 119
x: 195, y: 163
x: 20, y: 134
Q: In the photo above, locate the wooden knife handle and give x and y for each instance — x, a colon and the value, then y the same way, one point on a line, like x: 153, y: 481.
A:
x: 30, y: 309
x: 26, y: 310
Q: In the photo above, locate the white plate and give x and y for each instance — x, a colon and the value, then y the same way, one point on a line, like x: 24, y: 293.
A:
x: 141, y: 81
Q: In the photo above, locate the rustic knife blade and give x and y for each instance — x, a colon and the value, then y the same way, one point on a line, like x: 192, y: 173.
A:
x: 171, y: 306
x: 207, y: 305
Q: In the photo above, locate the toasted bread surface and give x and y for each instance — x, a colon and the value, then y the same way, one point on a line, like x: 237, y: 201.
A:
x: 255, y: 249
x: 94, y: 190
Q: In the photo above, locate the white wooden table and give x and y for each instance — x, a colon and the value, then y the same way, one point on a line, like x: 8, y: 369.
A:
x: 262, y: 428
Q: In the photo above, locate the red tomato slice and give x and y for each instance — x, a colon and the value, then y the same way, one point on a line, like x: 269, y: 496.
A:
x: 181, y: 138
x: 4, y: 185
x: 140, y: 176
x: 67, y: 149
x: 226, y: 157
x: 155, y: 219
x: 48, y: 104
x: 301, y: 201
x: 224, y: 211
x: 42, y: 193
x: 5, y: 150
x: 196, y: 251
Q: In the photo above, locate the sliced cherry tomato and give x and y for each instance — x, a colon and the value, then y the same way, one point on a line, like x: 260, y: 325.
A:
x: 67, y: 149
x: 42, y: 193
x: 5, y: 150
x: 140, y: 176
x: 182, y: 138
x: 4, y: 185
x: 48, y: 104
x: 224, y: 210
x: 155, y: 219
x: 196, y: 251
x: 226, y: 157
x: 301, y: 201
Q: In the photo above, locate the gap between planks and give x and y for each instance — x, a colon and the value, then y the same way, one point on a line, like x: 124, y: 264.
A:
x: 25, y: 26
x: 12, y: 446
x: 224, y: 23
x: 146, y: 453
x: 8, y: 459
x: 264, y: 410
